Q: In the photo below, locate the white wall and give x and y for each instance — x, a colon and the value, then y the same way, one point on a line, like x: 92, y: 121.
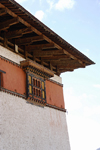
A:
x: 25, y: 126
x: 10, y: 55
x: 57, y: 79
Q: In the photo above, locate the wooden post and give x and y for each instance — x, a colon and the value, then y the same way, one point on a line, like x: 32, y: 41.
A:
x: 16, y: 48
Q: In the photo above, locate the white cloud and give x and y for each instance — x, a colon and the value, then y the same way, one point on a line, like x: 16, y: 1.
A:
x: 97, y: 85
x: 64, y: 4
x: 40, y: 15
x: 51, y: 4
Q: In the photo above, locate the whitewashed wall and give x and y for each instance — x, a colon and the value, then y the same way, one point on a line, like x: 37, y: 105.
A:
x: 28, y: 127
x: 10, y: 55
x: 25, y: 126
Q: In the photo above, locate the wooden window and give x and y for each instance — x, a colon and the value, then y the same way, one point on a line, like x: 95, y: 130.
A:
x: 36, y: 87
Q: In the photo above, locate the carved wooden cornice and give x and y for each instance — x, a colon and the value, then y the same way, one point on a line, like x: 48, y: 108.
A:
x: 37, y: 68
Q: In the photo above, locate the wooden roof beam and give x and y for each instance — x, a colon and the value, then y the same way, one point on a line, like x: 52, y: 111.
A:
x: 21, y: 20
x: 67, y: 63
x: 60, y: 66
x: 2, y: 12
x: 8, y: 23
x: 55, y: 57
x: 2, y: 6
x: 39, y: 47
x: 18, y: 33
x: 49, y: 53
x: 28, y: 40
x: 73, y: 57
x: 64, y: 70
x: 35, y: 30
x: 39, y: 33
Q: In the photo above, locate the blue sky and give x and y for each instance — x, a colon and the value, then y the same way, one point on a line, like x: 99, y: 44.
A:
x: 78, y: 22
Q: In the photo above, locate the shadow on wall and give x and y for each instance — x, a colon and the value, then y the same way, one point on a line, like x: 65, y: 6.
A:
x: 98, y: 149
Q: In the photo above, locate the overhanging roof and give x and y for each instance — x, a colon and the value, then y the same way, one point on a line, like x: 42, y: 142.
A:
x: 21, y: 32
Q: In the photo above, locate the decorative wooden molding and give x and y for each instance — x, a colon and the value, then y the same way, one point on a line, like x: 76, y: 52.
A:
x: 25, y: 64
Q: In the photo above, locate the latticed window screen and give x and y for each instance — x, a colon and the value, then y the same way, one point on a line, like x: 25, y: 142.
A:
x: 36, y: 88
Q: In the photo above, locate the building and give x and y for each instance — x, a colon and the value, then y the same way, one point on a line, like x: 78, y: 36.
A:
x: 32, y: 57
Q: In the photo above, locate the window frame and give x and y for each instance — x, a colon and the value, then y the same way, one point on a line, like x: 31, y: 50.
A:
x: 37, y: 91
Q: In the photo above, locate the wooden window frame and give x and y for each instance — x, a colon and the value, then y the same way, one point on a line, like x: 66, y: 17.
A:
x: 34, y: 88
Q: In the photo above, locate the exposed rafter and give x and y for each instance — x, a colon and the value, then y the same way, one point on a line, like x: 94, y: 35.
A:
x: 40, y: 53
x: 28, y: 40
x: 2, y: 12
x: 8, y: 23
x: 24, y: 34
x: 39, y: 47
x: 38, y: 32
x: 18, y: 33
x: 55, y: 57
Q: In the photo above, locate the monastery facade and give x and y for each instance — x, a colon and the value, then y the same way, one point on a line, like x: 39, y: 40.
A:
x: 32, y: 57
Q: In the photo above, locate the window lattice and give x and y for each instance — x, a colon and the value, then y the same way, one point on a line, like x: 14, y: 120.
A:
x: 36, y: 88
